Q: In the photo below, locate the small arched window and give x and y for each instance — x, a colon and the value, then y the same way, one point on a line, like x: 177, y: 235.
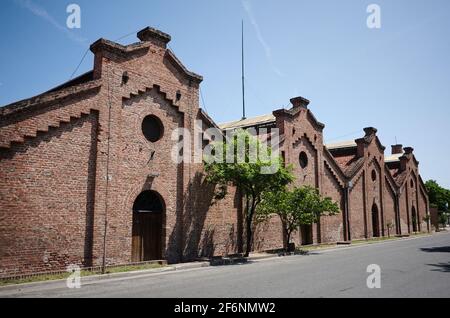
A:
x: 303, y: 160
x: 374, y: 175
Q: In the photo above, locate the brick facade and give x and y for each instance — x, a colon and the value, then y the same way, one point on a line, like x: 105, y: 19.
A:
x: 74, y: 160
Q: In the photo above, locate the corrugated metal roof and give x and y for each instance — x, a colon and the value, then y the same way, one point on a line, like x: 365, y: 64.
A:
x: 258, y: 120
x: 393, y: 158
x: 341, y: 144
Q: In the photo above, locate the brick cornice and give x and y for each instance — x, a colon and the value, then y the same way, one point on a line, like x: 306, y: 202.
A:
x: 134, y: 95
x: 193, y: 76
x: 334, y: 167
x: 49, y: 97
x: 208, y: 119
x: 104, y: 44
x: 299, y: 139
x: 375, y: 160
x: 149, y: 32
x: 129, y: 50
x: 390, y: 179
x: 352, y: 171
x: 290, y: 113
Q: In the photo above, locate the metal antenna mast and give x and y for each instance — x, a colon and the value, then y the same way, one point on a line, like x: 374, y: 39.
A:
x: 243, y: 76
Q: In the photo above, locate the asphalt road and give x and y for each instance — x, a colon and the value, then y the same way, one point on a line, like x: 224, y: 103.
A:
x: 418, y: 267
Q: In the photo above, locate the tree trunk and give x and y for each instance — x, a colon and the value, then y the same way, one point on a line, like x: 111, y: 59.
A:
x: 248, y: 246
x: 251, y: 211
x: 288, y: 240
x: 286, y: 235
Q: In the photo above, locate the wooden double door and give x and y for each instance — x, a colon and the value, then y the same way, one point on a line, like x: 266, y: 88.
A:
x: 147, y: 236
x: 306, y: 234
x: 375, y: 221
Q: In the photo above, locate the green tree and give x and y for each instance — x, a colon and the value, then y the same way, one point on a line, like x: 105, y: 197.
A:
x: 296, y: 207
x: 246, y: 163
x: 439, y: 196
x: 443, y: 218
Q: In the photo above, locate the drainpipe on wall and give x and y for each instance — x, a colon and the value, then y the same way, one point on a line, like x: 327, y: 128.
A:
x: 397, y: 212
x: 105, y: 225
x: 347, y: 189
x: 347, y: 232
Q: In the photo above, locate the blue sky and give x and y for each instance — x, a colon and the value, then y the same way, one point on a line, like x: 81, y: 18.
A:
x: 396, y: 78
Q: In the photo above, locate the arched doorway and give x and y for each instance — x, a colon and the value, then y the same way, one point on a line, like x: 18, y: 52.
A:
x: 414, y: 219
x: 148, y: 214
x: 306, y: 233
x: 375, y: 221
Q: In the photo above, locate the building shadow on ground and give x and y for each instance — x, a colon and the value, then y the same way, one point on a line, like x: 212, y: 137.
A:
x: 438, y: 249
x: 441, y: 267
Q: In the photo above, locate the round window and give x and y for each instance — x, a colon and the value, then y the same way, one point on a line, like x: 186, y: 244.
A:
x: 303, y: 159
x: 374, y: 175
x: 152, y: 128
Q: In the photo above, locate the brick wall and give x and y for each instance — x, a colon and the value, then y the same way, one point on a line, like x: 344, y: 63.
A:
x: 404, y: 218
x: 47, y: 189
x: 389, y: 210
x: 332, y: 227
x: 357, y: 210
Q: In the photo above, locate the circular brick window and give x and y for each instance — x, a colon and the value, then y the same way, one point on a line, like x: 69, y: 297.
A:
x: 374, y: 175
x: 303, y: 160
x: 152, y: 128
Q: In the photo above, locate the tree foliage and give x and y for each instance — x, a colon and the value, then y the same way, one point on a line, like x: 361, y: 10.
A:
x: 296, y: 207
x: 439, y: 196
x: 251, y: 173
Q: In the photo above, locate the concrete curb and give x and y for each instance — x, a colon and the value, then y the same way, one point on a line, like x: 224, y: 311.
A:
x: 242, y: 260
x: 94, y: 278
x: 190, y: 265
x: 263, y: 257
x: 368, y: 243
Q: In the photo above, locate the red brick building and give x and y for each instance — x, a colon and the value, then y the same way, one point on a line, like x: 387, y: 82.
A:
x: 86, y: 171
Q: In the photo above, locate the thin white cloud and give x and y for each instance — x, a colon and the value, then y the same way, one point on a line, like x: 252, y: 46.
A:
x: 43, y: 14
x: 248, y: 8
